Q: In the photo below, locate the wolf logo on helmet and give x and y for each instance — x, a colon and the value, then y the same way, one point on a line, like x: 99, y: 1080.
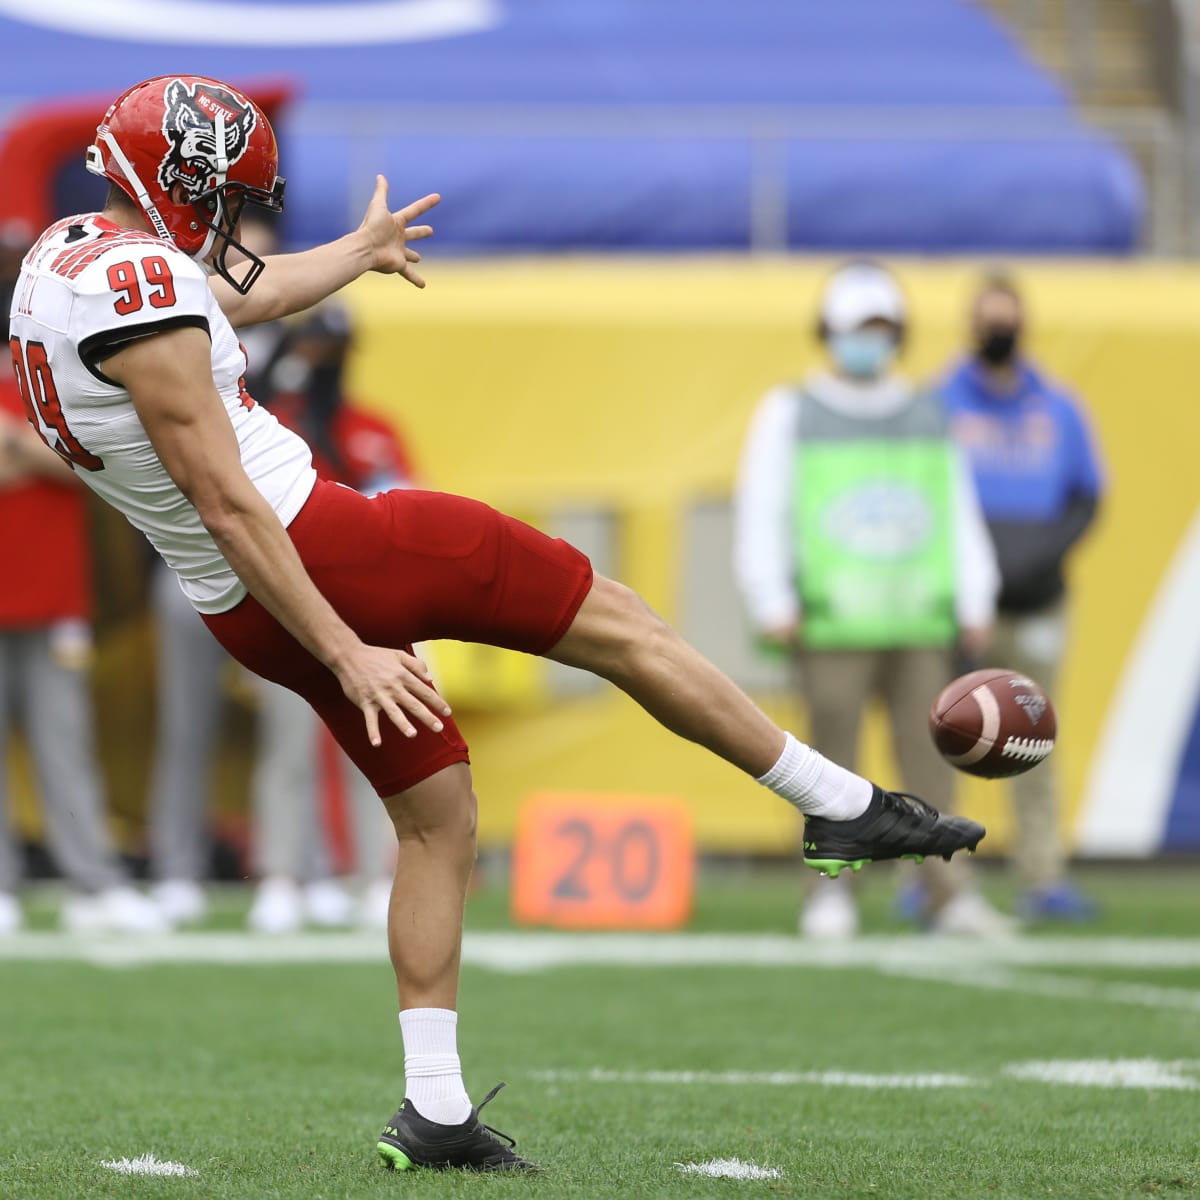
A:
x: 190, y: 124
x: 190, y: 151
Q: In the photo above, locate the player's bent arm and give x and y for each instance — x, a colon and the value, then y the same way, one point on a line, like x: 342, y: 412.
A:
x: 290, y: 283
x: 169, y: 378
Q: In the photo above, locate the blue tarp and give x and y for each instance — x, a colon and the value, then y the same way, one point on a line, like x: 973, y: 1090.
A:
x: 561, y: 124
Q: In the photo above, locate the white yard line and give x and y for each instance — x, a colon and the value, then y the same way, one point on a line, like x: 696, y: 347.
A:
x: 996, y: 978
x: 524, y: 952
x: 729, y: 1168
x: 533, y: 951
x: 146, y: 1164
x: 853, y: 1079
x: 1148, y: 1074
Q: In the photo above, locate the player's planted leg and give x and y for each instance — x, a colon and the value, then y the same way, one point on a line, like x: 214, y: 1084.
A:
x: 847, y: 819
x: 409, y: 1140
x: 436, y: 1126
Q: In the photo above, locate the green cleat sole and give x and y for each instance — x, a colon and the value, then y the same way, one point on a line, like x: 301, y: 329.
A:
x: 917, y: 858
x: 394, y: 1159
x: 833, y: 867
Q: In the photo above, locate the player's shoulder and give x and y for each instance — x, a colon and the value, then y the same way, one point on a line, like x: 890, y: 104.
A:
x: 139, y: 260
x: 98, y: 284
x: 87, y: 252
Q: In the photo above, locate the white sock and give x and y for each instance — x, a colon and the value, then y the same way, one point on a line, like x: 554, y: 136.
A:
x: 432, y: 1073
x: 815, y: 785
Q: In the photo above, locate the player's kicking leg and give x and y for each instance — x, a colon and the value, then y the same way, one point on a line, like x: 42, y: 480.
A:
x: 848, y: 821
x: 436, y: 1126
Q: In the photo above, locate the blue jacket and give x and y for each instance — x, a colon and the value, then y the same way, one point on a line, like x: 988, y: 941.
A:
x: 1036, y: 471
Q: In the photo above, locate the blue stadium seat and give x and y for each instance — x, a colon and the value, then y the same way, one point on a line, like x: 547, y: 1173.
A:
x: 675, y: 124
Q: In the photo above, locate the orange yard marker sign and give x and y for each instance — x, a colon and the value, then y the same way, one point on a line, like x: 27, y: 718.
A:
x: 603, y: 861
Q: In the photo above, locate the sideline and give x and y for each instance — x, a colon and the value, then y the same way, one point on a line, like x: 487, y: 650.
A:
x: 1146, y: 1074
x: 949, y: 959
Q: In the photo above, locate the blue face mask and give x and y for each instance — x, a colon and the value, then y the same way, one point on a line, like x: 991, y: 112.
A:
x: 863, y: 353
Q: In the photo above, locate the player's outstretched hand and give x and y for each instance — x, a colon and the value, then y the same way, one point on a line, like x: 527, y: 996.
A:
x: 395, y: 684
x: 390, y: 232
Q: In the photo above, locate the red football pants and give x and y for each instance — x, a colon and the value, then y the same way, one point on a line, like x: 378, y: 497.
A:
x: 404, y: 567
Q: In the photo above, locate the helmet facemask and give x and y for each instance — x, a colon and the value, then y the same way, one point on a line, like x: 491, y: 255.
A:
x: 220, y: 211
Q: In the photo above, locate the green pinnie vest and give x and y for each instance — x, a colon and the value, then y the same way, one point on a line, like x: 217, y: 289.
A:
x: 872, y: 511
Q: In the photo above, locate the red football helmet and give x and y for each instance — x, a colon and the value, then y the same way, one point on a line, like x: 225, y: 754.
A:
x: 190, y: 152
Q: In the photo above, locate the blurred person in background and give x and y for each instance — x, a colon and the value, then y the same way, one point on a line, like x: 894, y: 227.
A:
x: 45, y: 656
x: 1039, y: 479
x: 191, y: 670
x: 306, y: 392
x: 289, y: 838
x: 861, y: 554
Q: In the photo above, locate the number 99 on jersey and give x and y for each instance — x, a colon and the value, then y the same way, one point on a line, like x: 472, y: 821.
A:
x: 602, y: 861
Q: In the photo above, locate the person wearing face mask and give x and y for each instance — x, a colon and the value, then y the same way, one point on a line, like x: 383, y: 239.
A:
x: 861, y: 554
x: 1038, y: 474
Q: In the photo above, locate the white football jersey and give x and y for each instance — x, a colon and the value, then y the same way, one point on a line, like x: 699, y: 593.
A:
x: 86, y: 287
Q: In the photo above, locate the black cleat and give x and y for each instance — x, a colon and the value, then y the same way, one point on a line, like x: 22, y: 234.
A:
x: 895, y: 825
x: 409, y: 1140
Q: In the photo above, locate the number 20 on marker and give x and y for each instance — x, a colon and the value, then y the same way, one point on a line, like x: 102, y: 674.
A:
x: 603, y: 862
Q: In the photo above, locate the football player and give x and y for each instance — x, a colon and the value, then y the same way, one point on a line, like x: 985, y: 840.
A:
x: 123, y: 342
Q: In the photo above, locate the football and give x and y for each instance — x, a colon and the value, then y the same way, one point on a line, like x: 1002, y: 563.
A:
x: 993, y: 723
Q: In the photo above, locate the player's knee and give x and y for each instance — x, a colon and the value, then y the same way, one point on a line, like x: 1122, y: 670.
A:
x: 632, y: 628
x: 622, y: 606
x: 460, y: 832
x: 459, y: 820
x: 613, y: 632
x: 447, y: 815
x: 469, y: 819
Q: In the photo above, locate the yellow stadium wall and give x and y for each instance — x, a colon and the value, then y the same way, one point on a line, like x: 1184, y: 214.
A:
x: 627, y: 384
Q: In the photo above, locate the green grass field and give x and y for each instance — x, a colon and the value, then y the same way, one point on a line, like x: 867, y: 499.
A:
x: 900, y: 1067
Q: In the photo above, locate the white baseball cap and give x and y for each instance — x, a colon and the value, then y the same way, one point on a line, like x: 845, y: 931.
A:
x: 860, y: 292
